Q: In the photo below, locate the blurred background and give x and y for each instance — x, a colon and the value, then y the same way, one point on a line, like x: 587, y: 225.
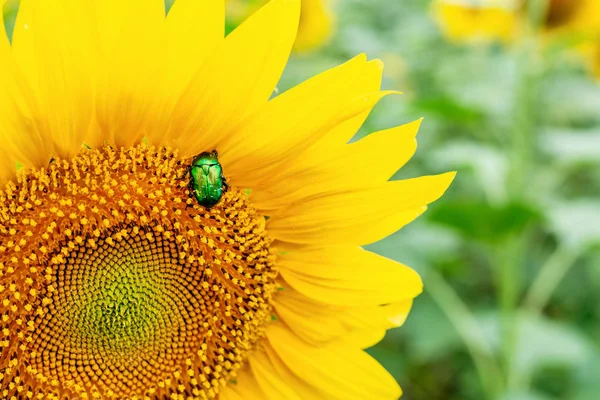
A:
x: 510, y: 92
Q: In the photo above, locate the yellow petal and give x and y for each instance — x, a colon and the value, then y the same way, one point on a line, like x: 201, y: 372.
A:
x: 348, y: 276
x: 396, y: 313
x: 7, y: 131
x: 230, y: 393
x: 359, y: 217
x: 293, y: 121
x: 277, y: 381
x: 377, y: 317
x: 345, y: 131
x: 315, y: 322
x: 319, y: 323
x: 369, y: 81
x: 237, y: 79
x: 134, y: 50
x: 20, y: 138
x: 243, y: 388
x: 118, y: 21
x: 339, y: 371
x: 194, y: 29
x: 371, y: 160
x: 363, y: 339
x: 49, y: 34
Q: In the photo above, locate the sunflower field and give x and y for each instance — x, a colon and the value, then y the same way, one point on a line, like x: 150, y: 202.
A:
x: 509, y: 257
x: 507, y: 94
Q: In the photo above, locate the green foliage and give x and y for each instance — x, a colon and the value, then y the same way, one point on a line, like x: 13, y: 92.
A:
x: 449, y: 109
x: 510, y: 255
x: 483, y: 221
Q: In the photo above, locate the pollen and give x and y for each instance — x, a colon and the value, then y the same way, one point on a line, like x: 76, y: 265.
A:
x: 115, y: 283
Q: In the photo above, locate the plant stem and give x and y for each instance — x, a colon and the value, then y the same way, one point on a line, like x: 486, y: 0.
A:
x: 550, y: 275
x: 469, y: 330
x: 508, y: 263
x: 509, y: 254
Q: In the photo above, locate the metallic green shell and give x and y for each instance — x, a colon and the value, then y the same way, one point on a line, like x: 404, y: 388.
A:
x: 207, y: 181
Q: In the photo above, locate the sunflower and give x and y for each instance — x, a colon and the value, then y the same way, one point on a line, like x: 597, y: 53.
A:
x: 118, y: 282
x: 477, y: 21
x: 577, y: 22
x: 580, y: 16
x: 502, y: 20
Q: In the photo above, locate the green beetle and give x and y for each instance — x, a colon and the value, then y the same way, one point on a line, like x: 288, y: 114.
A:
x: 207, y: 182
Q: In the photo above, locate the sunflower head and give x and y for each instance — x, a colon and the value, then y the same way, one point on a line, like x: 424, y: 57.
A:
x: 172, y: 231
x: 124, y: 279
x: 576, y: 23
x: 482, y: 21
x: 561, y: 11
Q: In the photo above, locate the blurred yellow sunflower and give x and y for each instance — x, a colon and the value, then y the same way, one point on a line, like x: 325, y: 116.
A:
x: 116, y: 282
x: 464, y: 21
x: 579, y: 22
x: 573, y: 15
x: 316, y: 25
x: 576, y: 21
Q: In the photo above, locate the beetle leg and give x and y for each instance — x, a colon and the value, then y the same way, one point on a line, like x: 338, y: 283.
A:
x: 188, y: 170
x: 225, y: 184
x: 190, y: 184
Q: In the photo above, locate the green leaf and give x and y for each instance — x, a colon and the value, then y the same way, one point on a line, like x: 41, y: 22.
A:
x: 576, y: 223
x: 582, y: 107
x: 412, y: 245
x: 573, y: 145
x: 542, y: 342
x: 588, y: 380
x: 488, y: 165
x: 431, y: 335
x: 449, y: 109
x: 484, y: 222
x: 522, y: 395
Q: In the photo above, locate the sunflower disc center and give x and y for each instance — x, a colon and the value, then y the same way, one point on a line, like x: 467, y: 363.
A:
x: 131, y: 308
x: 127, y: 287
